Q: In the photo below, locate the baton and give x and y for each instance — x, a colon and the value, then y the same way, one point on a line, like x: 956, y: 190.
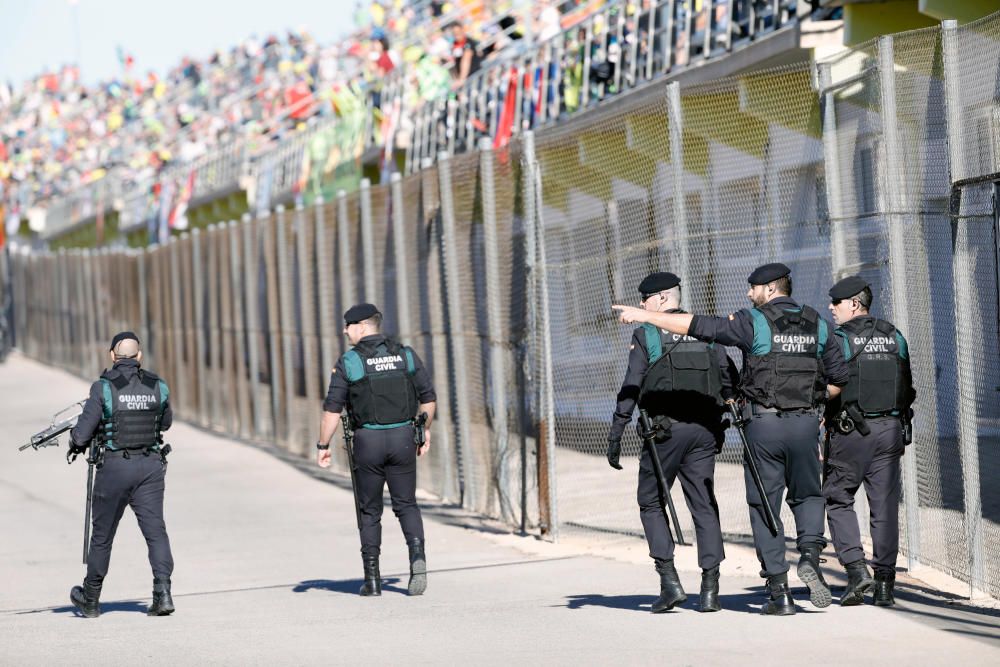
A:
x: 90, y: 503
x: 751, y: 463
x: 349, y: 446
x: 666, y: 502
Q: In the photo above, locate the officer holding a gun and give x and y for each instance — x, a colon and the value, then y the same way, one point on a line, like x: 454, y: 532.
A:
x: 868, y: 428
x: 390, y: 401
x: 789, y: 355
x: 122, y: 424
x: 680, y: 384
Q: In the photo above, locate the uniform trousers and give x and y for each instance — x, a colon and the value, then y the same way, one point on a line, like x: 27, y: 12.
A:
x: 689, y: 453
x: 787, y: 455
x: 386, y: 456
x: 137, y: 482
x: 872, y: 460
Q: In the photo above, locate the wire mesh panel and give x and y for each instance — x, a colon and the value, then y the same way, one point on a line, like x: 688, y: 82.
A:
x: 424, y: 280
x: 974, y: 124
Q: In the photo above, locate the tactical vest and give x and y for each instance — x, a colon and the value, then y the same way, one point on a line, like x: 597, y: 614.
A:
x: 133, y: 410
x: 874, y: 351
x: 381, y: 391
x: 782, y: 368
x: 683, y: 380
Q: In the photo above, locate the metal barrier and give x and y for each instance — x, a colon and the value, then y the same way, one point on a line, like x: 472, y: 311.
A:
x: 499, y: 267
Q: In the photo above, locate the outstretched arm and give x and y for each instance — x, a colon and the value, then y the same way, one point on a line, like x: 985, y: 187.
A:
x: 678, y: 323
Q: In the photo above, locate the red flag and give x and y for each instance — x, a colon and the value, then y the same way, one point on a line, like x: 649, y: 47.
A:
x: 506, y: 124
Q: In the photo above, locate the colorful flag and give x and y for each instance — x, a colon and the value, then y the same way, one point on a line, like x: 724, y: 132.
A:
x: 178, y: 216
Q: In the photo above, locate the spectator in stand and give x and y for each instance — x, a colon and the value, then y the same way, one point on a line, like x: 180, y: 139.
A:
x: 464, y: 52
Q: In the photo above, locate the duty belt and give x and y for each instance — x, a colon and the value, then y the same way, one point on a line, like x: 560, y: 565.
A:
x: 755, y: 409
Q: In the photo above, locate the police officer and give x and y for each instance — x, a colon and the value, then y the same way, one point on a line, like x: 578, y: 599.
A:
x: 789, y: 352
x: 681, y: 383
x: 127, y: 411
x: 868, y: 427
x: 384, y: 386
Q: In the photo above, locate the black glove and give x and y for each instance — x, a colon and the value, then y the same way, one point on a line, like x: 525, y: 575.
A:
x: 614, y: 451
x: 74, y: 451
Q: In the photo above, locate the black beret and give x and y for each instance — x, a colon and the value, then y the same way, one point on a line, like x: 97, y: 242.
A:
x: 360, y: 313
x: 762, y: 275
x: 124, y: 335
x: 657, y: 282
x: 848, y: 287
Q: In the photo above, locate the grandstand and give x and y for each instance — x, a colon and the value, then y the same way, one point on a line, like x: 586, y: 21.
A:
x: 271, y: 121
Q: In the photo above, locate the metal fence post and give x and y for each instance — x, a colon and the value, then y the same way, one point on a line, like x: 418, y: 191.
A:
x: 140, y: 269
x: 459, y: 361
x: 406, y: 332
x: 348, y: 295
x: 892, y: 156
x: 368, y: 242
x: 325, y: 280
x: 197, y: 278
x: 251, y: 269
x: 494, y: 309
x: 965, y: 290
x: 236, y: 275
x: 287, y: 321
x: 178, y: 335
x: 306, y: 260
x: 617, y: 250
x: 535, y: 251
x: 831, y: 171
x: 682, y: 235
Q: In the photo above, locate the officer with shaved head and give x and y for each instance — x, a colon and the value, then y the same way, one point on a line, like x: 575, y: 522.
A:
x: 127, y: 411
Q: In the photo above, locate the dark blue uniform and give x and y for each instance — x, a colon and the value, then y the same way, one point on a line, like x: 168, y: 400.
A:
x: 785, y: 442
x: 689, y: 452
x: 384, y: 455
x: 873, y: 460
x: 126, y: 478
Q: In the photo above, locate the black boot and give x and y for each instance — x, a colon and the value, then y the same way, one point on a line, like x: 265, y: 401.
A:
x: 811, y: 576
x: 780, y: 602
x: 710, y: 590
x: 671, y: 592
x: 373, y: 581
x: 163, y: 603
x: 859, y: 580
x: 884, y: 583
x: 86, y: 598
x: 418, y: 568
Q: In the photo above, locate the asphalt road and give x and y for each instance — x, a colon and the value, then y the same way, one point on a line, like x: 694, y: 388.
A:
x: 267, y: 569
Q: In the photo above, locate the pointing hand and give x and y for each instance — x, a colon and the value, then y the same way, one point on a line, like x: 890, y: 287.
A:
x: 629, y: 314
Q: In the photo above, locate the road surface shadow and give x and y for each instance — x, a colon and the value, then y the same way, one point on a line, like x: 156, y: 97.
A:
x: 133, y: 606
x: 748, y: 602
x: 346, y: 586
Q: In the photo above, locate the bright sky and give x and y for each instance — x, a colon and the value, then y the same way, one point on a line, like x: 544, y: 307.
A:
x: 39, y: 34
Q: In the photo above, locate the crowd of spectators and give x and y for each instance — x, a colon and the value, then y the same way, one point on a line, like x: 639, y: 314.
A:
x: 57, y: 135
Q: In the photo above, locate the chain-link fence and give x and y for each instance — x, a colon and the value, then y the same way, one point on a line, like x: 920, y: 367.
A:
x: 500, y: 266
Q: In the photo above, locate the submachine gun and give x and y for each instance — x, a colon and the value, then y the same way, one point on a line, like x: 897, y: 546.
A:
x: 62, y: 422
